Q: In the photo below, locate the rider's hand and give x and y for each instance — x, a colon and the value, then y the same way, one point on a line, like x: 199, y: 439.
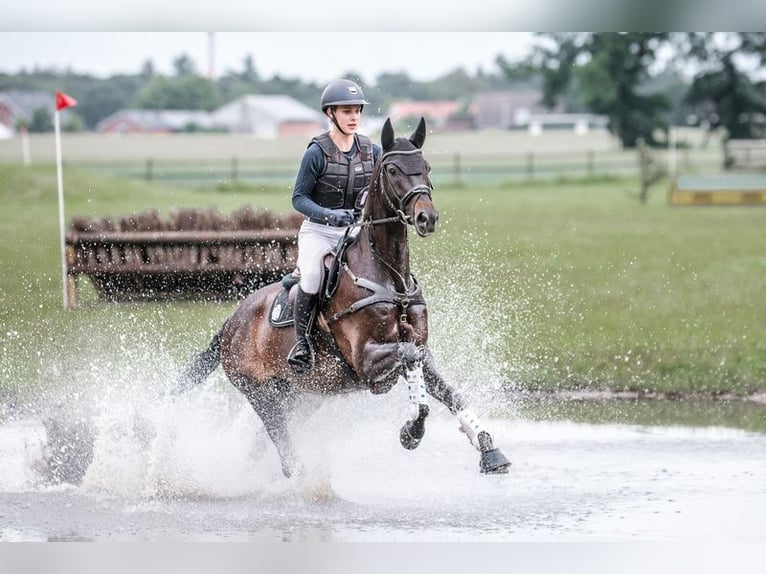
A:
x: 340, y: 217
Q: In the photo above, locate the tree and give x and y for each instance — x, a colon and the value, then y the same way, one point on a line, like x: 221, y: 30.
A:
x: 184, y: 66
x: 98, y: 100
x: 147, y: 70
x: 249, y: 73
x: 722, y: 92
x: 73, y: 123
x: 189, y: 92
x: 608, y: 70
x: 41, y: 121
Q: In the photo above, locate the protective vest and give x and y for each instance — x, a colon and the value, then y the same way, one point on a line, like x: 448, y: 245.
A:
x: 342, y: 179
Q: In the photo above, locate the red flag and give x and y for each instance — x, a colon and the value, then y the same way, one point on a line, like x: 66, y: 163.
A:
x: 64, y: 101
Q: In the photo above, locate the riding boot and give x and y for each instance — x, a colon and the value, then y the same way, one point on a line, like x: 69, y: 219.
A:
x: 301, y: 357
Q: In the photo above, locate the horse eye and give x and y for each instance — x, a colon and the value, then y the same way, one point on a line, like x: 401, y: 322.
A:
x: 391, y: 171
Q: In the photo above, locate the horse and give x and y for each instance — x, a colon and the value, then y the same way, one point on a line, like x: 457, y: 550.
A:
x: 371, y: 328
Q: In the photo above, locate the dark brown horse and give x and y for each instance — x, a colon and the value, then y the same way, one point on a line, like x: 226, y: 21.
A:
x: 372, y: 328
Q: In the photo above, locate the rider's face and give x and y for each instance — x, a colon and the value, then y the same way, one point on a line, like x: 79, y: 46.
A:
x: 348, y: 118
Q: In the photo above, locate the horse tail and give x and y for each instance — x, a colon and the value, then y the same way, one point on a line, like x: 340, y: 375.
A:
x: 200, y: 366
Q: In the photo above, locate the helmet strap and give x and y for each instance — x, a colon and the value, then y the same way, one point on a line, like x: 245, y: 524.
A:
x: 335, y: 121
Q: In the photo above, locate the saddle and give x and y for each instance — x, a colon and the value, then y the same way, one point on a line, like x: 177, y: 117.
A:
x: 281, y: 313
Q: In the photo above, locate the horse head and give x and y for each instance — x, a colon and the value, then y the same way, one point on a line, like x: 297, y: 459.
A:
x: 401, y: 180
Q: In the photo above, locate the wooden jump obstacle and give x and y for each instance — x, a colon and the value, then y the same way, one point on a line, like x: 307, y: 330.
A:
x: 745, y: 155
x: 726, y: 189
x: 172, y: 264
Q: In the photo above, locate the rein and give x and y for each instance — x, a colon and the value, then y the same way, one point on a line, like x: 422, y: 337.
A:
x: 381, y: 294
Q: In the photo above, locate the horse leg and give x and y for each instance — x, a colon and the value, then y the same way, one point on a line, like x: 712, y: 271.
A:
x: 272, y: 403
x: 199, y: 367
x: 492, y: 461
x: 414, y: 429
x: 381, y: 366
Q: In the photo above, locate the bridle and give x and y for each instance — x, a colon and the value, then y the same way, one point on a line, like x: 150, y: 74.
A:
x: 410, y: 295
x: 397, y: 204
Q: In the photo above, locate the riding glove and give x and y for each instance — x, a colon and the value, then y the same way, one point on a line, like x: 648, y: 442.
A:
x: 340, y: 217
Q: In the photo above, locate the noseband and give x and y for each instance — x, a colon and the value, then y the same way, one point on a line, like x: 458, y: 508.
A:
x: 396, y: 203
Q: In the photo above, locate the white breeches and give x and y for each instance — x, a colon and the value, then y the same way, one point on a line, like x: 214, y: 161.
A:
x: 314, y: 242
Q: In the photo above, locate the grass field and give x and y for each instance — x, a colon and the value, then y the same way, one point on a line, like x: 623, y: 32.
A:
x: 558, y: 285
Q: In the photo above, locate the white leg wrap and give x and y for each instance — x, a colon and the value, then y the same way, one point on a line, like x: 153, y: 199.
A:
x: 471, y: 426
x: 416, y: 389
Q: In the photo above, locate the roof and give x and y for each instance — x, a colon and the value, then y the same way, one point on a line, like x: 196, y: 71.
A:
x: 160, y: 120
x: 23, y: 103
x: 277, y: 108
x: 433, y: 109
x: 504, y: 109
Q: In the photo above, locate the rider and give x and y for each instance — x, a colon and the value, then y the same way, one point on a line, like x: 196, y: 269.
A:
x: 335, y: 169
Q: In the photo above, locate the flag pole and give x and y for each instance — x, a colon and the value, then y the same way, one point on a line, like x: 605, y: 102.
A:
x: 62, y: 101
x: 57, y: 127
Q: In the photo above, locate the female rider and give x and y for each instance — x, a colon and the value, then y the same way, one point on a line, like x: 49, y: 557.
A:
x: 335, y: 169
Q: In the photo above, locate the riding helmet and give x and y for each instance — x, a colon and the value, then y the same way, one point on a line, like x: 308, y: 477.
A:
x: 342, y: 93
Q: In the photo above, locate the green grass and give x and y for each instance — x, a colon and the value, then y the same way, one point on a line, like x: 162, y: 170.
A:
x: 613, y: 294
x: 40, y: 343
x: 558, y: 285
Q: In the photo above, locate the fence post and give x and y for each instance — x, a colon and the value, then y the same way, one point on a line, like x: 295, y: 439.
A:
x: 530, y: 165
x: 590, y: 162
x: 234, y: 168
x: 149, y: 166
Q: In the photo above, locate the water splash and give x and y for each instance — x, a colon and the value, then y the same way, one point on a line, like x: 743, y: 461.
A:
x: 481, y: 313
x: 99, y: 416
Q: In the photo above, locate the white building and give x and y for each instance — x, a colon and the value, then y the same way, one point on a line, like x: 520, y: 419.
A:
x: 269, y: 116
x: 581, y: 124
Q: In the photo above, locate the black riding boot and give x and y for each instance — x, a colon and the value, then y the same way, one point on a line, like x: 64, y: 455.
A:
x: 301, y: 357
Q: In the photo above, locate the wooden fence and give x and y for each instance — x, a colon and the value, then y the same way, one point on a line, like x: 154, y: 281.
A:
x: 179, y: 265
x: 128, y: 263
x: 745, y: 155
x: 448, y: 169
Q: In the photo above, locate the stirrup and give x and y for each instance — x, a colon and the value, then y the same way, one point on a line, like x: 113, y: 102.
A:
x: 301, y: 356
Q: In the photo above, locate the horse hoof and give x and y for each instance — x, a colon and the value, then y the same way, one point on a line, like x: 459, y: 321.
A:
x: 408, y: 441
x: 493, y: 462
x: 413, y: 430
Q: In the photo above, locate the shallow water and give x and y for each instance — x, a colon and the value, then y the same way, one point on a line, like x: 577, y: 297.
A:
x: 200, y: 468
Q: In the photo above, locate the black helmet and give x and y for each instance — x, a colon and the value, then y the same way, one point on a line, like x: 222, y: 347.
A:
x: 342, y: 93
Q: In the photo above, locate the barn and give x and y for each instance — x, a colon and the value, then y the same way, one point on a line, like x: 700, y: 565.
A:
x: 154, y: 121
x: 269, y: 116
x: 19, y: 106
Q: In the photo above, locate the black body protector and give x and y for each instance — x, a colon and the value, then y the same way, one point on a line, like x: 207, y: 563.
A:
x: 343, y: 179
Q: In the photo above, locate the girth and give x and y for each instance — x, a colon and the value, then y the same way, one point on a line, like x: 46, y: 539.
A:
x: 381, y: 294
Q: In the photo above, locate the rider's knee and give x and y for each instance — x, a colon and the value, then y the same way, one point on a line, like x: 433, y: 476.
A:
x: 310, y: 281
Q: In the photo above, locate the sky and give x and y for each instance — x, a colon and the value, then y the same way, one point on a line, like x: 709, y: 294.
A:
x: 310, y: 56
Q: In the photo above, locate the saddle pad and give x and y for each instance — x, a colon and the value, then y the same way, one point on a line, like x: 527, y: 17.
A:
x: 281, y: 313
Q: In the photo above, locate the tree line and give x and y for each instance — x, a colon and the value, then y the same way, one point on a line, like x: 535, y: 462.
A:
x: 187, y: 89
x: 643, y: 82
x: 625, y: 77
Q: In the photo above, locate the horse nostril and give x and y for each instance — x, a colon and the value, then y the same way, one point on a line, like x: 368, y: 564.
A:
x: 425, y: 222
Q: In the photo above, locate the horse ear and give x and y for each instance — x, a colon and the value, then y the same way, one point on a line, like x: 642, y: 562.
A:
x: 387, y: 134
x: 419, y: 135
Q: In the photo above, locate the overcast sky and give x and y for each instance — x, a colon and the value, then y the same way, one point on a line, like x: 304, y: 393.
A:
x: 311, y: 56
